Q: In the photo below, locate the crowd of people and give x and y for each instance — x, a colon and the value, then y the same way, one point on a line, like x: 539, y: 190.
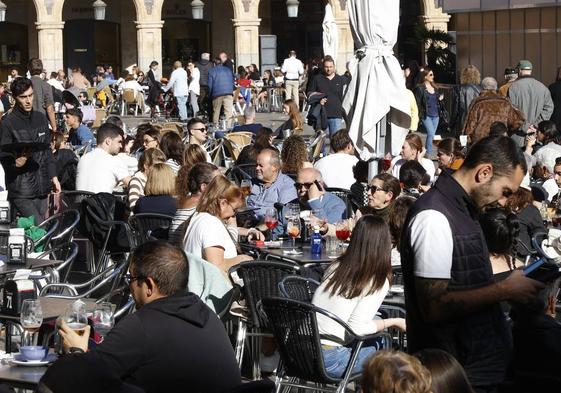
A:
x: 453, y: 217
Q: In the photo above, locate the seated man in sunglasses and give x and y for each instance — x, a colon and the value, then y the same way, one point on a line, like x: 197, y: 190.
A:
x: 312, y: 196
x: 173, y: 339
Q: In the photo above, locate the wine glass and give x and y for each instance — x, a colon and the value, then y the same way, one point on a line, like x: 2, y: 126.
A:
x: 342, y: 232
x: 293, y: 229
x: 103, y: 319
x: 271, y: 220
x: 245, y: 186
x: 31, y: 319
x: 291, y: 211
x: 76, y: 317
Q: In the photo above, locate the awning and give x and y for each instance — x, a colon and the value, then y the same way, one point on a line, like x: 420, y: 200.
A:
x: 377, y: 84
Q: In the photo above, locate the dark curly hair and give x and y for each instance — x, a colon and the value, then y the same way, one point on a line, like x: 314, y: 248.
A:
x: 294, y: 154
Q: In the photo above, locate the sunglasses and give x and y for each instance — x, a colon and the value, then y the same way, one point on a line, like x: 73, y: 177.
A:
x: 199, y: 129
x: 130, y: 278
x: 373, y: 189
x: 300, y: 185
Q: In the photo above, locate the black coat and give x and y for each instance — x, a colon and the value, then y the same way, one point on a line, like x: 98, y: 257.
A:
x: 66, y: 168
x: 317, y: 116
x: 555, y: 90
x: 33, y: 180
x: 172, y: 344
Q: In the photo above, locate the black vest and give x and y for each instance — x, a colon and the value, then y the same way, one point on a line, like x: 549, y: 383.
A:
x: 480, y: 341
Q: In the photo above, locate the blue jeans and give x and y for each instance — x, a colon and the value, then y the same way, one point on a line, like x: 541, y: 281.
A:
x: 336, y: 359
x: 334, y: 124
x: 431, y: 125
x: 182, y: 107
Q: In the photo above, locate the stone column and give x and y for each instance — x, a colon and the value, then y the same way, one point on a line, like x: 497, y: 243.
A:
x: 346, y: 49
x: 247, y: 41
x: 51, y: 45
x: 149, y: 39
x: 433, y: 17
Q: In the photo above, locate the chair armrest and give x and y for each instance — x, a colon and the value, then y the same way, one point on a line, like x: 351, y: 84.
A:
x: 59, y: 285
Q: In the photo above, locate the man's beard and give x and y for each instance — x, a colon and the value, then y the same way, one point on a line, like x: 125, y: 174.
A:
x: 259, y: 176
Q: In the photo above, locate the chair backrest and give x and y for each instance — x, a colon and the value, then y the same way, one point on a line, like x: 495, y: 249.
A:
x: 294, y: 325
x: 298, y: 288
x: 260, y: 280
x: 129, y: 96
x: 317, y: 146
x: 68, y: 221
x: 149, y: 226
x: 99, y: 116
x: 345, y: 195
x: 73, y: 199
x: 91, y: 93
x: 237, y: 173
x: 241, y: 138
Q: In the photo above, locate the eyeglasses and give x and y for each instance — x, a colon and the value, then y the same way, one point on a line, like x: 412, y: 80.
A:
x: 300, y: 185
x: 130, y: 278
x: 373, y: 189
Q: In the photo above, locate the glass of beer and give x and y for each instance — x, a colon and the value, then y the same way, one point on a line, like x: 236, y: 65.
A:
x: 76, y: 317
x: 31, y: 319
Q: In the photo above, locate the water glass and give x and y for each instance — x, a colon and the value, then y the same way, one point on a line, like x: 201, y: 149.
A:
x: 331, y: 247
x: 31, y: 319
x: 103, y: 318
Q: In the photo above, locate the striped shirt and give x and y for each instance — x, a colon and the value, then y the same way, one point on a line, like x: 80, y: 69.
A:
x: 136, y: 188
x: 174, y: 165
x: 176, y: 229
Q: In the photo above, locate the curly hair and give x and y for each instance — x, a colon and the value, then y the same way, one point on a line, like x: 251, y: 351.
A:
x: 294, y: 154
x: 470, y: 74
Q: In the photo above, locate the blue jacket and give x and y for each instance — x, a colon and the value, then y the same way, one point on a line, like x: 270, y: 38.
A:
x: 220, y: 82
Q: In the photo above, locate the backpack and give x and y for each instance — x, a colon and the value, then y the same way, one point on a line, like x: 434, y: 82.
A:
x: 107, y: 208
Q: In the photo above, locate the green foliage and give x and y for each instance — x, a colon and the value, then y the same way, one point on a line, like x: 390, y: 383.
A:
x: 439, y: 56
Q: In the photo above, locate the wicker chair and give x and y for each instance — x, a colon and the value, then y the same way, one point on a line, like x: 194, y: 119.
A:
x: 295, y: 329
x: 260, y: 280
x: 150, y: 226
x: 298, y: 288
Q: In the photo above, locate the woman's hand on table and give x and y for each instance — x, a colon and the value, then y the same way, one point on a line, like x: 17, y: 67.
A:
x: 255, y: 234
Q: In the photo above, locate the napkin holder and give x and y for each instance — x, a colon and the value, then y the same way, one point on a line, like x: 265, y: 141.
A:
x: 15, y: 292
x: 17, y: 249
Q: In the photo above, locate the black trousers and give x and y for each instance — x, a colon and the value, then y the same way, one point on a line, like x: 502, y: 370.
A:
x: 26, y: 207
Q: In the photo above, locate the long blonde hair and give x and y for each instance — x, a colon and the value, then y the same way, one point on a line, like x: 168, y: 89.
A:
x: 294, y: 114
x: 219, y: 188
x: 161, y: 180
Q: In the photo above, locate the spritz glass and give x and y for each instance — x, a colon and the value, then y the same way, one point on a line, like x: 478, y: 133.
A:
x: 293, y: 229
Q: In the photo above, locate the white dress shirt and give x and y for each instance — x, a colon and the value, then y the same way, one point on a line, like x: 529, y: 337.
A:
x: 292, y: 68
x: 195, y: 86
x: 178, y: 82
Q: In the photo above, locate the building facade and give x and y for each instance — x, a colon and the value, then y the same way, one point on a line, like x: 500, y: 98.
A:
x: 494, y: 34
x: 64, y: 34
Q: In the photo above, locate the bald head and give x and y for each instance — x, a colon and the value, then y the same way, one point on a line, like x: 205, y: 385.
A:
x: 309, y: 175
x: 177, y: 64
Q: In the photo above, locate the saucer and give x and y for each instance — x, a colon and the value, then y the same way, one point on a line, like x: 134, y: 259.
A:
x: 18, y: 360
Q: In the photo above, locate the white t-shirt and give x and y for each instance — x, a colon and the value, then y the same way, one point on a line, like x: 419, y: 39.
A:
x: 358, y: 312
x: 432, y: 244
x: 429, y: 166
x: 337, y: 170
x: 206, y: 230
x: 130, y: 162
x: 99, y: 171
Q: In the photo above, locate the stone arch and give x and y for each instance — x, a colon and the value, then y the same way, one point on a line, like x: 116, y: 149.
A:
x: 433, y: 17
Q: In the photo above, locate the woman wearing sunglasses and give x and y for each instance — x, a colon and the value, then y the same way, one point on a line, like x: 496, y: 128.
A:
x: 382, y: 192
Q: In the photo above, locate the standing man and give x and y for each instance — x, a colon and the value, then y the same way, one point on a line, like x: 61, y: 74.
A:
x: 204, y: 65
x: 221, y: 87
x: 530, y: 96
x: 179, y: 83
x: 332, y: 85
x: 225, y: 61
x: 451, y: 297
x: 293, y: 69
x: 30, y: 177
x: 100, y: 170
x: 42, y: 92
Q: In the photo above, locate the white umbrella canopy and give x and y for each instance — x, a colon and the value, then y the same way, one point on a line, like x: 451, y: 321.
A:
x: 377, y: 86
x: 330, y: 33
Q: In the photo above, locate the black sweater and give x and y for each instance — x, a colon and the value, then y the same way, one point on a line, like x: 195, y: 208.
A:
x: 172, y: 344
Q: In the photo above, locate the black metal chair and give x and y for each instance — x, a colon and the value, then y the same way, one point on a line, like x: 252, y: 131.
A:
x: 345, y: 195
x: 237, y: 173
x: 51, y: 275
x: 73, y: 199
x: 68, y: 221
x: 295, y: 329
x: 150, y: 226
x: 260, y: 280
x: 50, y: 225
x: 298, y: 288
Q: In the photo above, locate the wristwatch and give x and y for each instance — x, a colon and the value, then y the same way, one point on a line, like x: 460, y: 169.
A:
x: 75, y: 350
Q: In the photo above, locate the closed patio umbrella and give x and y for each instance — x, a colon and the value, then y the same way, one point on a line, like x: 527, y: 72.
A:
x: 377, y: 86
x: 330, y: 33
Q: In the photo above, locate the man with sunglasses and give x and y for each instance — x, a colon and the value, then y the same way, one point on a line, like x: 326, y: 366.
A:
x: 312, y: 196
x: 173, y: 339
x: 451, y: 298
x: 198, y: 134
x: 553, y: 186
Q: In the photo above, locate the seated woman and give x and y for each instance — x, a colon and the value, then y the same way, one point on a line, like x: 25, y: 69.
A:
x: 353, y: 288
x: 208, y: 235
x: 529, y: 219
x: 396, y: 219
x: 263, y: 139
x: 450, y: 155
x: 263, y: 94
x: 174, y: 148
x: 500, y: 230
x: 193, y: 155
x: 294, y: 155
x: 382, y: 192
x: 295, y: 121
x: 138, y: 181
x: 131, y: 84
x: 412, y: 150
x: 191, y: 183
x: 160, y: 192
x: 66, y: 162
